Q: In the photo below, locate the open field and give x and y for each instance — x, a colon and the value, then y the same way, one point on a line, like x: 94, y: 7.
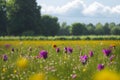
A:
x: 60, y: 60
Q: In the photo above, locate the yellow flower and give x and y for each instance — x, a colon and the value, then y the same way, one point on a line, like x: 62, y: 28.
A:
x: 84, y: 70
x: 106, y: 75
x: 38, y: 76
x: 4, y: 69
x: 15, y: 71
x: 22, y: 63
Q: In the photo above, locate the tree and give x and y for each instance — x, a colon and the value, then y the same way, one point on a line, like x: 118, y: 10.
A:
x: 23, y: 15
x: 78, y: 29
x: 91, y: 29
x: 3, y: 19
x: 115, y: 30
x: 99, y: 29
x: 64, y: 29
x: 106, y: 29
x: 50, y: 25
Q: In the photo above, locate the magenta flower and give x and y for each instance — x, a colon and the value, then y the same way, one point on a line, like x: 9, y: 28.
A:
x: 100, y: 66
x: 74, y: 76
x: 43, y: 54
x: 5, y: 58
x: 112, y: 57
x: 90, y: 53
x: 69, y: 50
x: 84, y: 59
x: 57, y: 50
x: 12, y: 49
x: 7, y: 45
x: 65, y: 49
x: 106, y: 52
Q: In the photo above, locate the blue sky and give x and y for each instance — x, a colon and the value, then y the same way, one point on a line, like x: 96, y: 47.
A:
x: 84, y: 11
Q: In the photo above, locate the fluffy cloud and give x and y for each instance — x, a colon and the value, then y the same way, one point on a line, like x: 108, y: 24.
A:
x: 98, y: 8
x: 75, y: 4
x: 79, y: 8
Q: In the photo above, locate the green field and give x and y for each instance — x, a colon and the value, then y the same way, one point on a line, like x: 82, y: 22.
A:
x: 21, y: 60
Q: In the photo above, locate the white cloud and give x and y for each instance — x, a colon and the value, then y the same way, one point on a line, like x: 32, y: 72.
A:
x: 97, y: 8
x: 62, y: 9
x: 79, y: 8
x: 116, y: 9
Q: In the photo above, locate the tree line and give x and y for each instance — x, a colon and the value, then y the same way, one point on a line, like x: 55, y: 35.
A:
x: 23, y: 17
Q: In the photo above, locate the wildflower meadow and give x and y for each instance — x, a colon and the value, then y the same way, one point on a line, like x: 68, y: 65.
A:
x: 60, y: 60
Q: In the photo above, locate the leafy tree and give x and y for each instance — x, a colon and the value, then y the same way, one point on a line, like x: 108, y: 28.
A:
x: 111, y: 25
x: 99, y: 29
x: 3, y: 19
x: 106, y: 29
x: 64, y: 29
x: 50, y: 25
x: 78, y: 29
x: 91, y: 29
x: 115, y: 30
x: 23, y: 15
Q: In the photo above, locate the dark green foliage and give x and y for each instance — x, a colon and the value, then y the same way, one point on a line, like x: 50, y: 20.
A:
x: 78, y: 29
x: 64, y: 29
x: 91, y: 29
x: 23, y: 15
x: 3, y: 19
x: 115, y: 30
x: 50, y: 25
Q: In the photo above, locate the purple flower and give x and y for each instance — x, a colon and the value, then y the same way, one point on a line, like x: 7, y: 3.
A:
x: 57, y: 50
x: 74, y: 76
x: 65, y: 49
x: 43, y: 54
x: 69, y: 50
x: 112, y: 57
x: 5, y: 58
x: 12, y: 49
x: 7, y: 45
x: 90, y: 53
x: 84, y: 59
x: 106, y: 52
x: 100, y: 66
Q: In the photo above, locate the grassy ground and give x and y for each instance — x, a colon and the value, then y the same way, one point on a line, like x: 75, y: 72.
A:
x: 22, y: 62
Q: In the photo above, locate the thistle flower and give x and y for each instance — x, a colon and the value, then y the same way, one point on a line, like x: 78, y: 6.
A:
x: 69, y: 50
x: 5, y: 58
x: 12, y: 49
x: 7, y: 45
x: 112, y: 57
x: 106, y: 52
x: 100, y: 66
x: 65, y: 49
x: 90, y: 53
x: 43, y: 54
x: 84, y: 59
x: 74, y: 76
x: 57, y: 50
